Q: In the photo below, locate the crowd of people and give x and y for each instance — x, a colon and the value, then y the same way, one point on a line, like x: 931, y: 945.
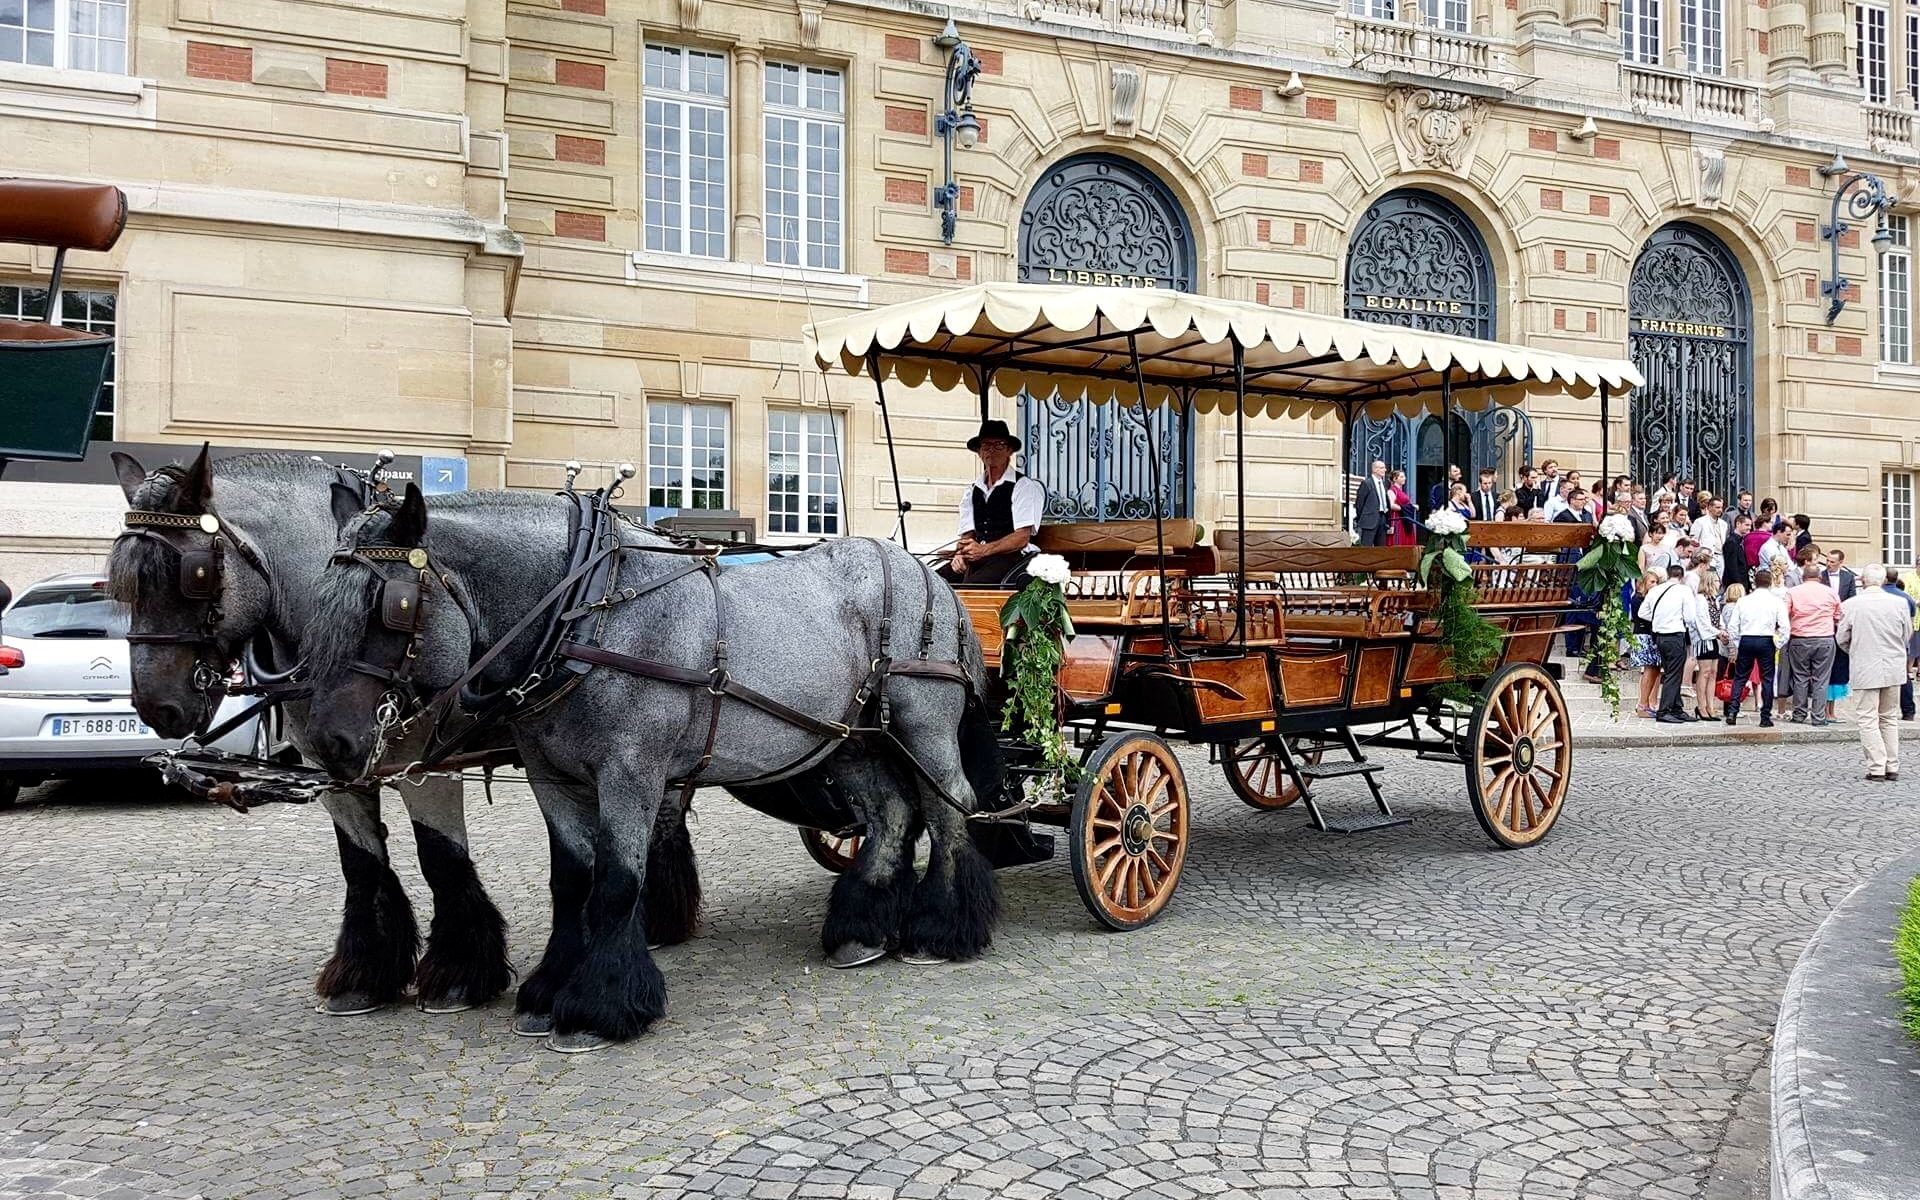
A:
x: 1737, y: 608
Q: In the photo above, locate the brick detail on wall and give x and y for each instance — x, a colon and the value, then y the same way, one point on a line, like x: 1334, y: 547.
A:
x: 963, y: 266
x: 906, y: 262
x: 1803, y: 231
x: 1299, y: 295
x: 1246, y: 99
x: 992, y: 62
x: 1263, y: 229
x: 1593, y: 264
x: 1254, y: 165
x: 1600, y: 206
x: 1559, y: 318
x: 569, y: 73
x: 590, y: 227
x: 966, y: 197
x: 348, y: 78
x: 1813, y: 286
x: 1847, y: 344
x: 983, y: 129
x: 596, y: 8
x: 1312, y: 170
x: 901, y: 48
x: 906, y: 191
x: 1299, y: 233
x: 1322, y: 108
x: 1799, y: 177
x: 1760, y: 43
x: 1850, y: 239
x: 591, y: 151
x: 1262, y: 294
x: 1593, y: 321
x: 1606, y: 148
x: 1559, y: 260
x: 1542, y: 139
x: 1552, y: 200
x: 906, y: 120
x: 207, y: 60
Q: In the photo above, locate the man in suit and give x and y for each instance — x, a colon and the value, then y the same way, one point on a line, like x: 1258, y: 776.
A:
x: 1549, y: 482
x: 1529, y: 495
x: 1585, y: 607
x: 1689, y: 497
x: 1372, y: 506
x: 1840, y: 576
x: 1438, y: 493
x: 1486, y: 501
x: 1733, y: 554
x: 1875, y: 626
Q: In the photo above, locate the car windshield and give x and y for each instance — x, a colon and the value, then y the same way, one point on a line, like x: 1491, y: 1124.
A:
x: 66, y: 610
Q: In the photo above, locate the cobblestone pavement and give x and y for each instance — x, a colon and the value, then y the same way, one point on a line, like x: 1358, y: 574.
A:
x: 1403, y: 1014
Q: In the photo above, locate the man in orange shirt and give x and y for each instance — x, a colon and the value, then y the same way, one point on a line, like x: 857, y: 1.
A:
x: 1813, y: 611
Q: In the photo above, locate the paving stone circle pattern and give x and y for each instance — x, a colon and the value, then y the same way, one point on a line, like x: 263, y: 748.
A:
x: 1402, y: 1014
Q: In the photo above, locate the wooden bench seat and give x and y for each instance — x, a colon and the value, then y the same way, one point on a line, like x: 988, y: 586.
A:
x: 1119, y: 545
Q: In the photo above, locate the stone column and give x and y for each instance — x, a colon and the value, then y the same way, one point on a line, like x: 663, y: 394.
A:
x: 1787, y: 40
x: 1672, y: 53
x: 1536, y: 14
x: 1588, y: 18
x: 1827, y: 45
x: 749, y: 181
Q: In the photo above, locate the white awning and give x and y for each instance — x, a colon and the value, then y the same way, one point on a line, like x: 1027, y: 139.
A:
x: 1039, y: 338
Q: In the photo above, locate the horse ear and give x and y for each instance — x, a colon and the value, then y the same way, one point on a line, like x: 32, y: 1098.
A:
x: 409, y: 526
x: 127, y: 469
x: 346, y: 504
x: 197, y: 491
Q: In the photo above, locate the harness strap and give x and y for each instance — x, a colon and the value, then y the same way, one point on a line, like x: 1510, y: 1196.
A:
x: 924, y: 668
x: 647, y: 668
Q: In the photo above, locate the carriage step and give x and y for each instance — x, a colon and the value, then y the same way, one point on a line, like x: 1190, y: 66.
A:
x: 1335, y: 770
x: 1444, y: 756
x: 1362, y: 822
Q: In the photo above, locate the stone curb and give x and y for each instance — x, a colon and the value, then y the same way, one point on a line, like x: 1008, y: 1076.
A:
x: 1720, y: 737
x: 1796, y: 1168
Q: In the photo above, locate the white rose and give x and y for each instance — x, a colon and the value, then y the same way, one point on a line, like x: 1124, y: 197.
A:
x: 1049, y: 568
x: 1446, y: 521
x: 1617, y: 528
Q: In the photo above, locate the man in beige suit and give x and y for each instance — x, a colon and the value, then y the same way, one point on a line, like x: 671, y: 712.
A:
x: 1874, y: 627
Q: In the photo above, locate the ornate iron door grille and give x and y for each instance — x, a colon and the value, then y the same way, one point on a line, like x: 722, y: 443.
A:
x: 1689, y: 318
x: 1102, y: 220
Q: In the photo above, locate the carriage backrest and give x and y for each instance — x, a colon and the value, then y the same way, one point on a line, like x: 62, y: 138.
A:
x: 1538, y: 536
x: 1334, y: 564
x: 73, y: 216
x: 1117, y: 545
x: 1267, y: 547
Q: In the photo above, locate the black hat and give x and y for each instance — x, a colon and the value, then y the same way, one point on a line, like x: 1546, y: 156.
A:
x: 993, y: 429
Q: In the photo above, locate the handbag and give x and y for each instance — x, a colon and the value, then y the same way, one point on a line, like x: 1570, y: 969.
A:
x: 1723, y: 686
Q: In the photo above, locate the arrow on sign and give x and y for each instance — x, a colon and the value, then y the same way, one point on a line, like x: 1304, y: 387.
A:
x: 446, y: 475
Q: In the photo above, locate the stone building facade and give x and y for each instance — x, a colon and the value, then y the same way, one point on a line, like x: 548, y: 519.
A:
x: 523, y: 232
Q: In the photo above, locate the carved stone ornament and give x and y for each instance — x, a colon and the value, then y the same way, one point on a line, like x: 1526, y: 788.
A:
x: 1126, y: 98
x: 1435, y: 128
x: 809, y: 22
x: 1710, y: 167
x: 689, y: 14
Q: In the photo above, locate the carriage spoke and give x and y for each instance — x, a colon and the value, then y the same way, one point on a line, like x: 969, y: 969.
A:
x: 1103, y: 847
x: 1153, y: 855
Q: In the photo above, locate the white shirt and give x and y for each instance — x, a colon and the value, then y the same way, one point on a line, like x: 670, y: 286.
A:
x: 1556, y: 504
x: 1775, y: 558
x: 1711, y: 533
x: 1668, y: 608
x: 1029, y: 502
x: 1760, y: 613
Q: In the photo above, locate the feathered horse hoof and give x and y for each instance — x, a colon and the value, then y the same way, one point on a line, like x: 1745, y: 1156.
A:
x: 455, y: 1001
x: 350, y: 1004
x: 533, y: 1025
x: 848, y: 955
x: 576, y: 1043
x: 922, y: 958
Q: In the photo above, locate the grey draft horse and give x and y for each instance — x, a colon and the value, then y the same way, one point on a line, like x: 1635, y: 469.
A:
x: 803, y: 630
x: 276, y: 514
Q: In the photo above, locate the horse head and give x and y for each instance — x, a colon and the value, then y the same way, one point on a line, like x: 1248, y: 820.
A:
x: 388, y: 632
x: 195, y: 589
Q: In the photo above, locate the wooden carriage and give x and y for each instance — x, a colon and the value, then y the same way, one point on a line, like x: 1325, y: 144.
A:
x: 1270, y: 647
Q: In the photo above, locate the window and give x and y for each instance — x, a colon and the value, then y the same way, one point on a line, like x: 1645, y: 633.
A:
x: 686, y: 151
x: 84, y: 35
x: 1373, y: 10
x: 1703, y: 35
x: 803, y: 472
x: 89, y: 310
x: 1896, y: 296
x: 1913, y: 52
x: 1870, y: 50
x: 1450, y: 15
x: 1640, y: 31
x: 805, y: 132
x: 1896, y: 518
x: 686, y: 455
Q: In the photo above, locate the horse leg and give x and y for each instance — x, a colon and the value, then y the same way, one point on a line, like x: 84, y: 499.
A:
x: 616, y: 991
x: 868, y: 905
x: 569, y: 811
x: 373, y: 955
x: 673, y: 881
x: 957, y: 901
x: 466, y: 960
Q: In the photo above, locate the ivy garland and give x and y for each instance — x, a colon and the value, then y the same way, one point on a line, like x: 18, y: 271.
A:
x: 1470, y: 642
x: 1037, y: 628
x: 1608, y: 567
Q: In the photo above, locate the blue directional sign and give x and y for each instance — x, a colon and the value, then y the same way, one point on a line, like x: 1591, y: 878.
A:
x: 441, y: 475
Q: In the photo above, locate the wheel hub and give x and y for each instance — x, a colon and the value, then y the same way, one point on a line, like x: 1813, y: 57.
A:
x: 1137, y: 830
x: 1523, y: 755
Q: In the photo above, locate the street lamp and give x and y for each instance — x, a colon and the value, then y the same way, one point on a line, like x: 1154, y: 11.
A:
x: 955, y: 123
x: 1863, y: 194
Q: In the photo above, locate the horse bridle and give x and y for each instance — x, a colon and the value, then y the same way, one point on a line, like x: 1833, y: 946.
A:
x: 402, y: 607
x: 200, y: 578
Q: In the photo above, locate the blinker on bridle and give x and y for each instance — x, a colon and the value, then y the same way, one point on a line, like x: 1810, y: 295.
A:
x: 199, y: 578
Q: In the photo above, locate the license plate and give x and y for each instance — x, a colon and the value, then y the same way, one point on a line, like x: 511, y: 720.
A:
x: 115, y: 725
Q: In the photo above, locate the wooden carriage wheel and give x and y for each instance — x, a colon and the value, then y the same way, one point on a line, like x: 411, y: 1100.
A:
x: 1254, y: 772
x: 1519, y: 755
x: 1129, y: 829
x: 833, y: 851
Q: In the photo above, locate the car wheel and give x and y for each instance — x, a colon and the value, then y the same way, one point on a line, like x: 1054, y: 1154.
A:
x: 9, y: 792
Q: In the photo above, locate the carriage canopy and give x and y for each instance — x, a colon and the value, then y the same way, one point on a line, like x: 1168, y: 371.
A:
x: 1039, y: 338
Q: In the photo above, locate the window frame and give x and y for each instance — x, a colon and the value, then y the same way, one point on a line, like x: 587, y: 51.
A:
x: 1640, y: 32
x: 808, y: 120
x: 1373, y: 10
x: 62, y: 37
x: 108, y: 411
x: 1862, y: 25
x: 1703, y: 36
x: 806, y: 476
x: 688, y: 102
x: 686, y: 447
x: 1895, y: 300
x: 1897, y: 546
x: 1450, y: 16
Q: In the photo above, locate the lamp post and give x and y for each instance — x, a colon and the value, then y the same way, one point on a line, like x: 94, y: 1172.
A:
x: 1862, y: 194
x: 955, y: 123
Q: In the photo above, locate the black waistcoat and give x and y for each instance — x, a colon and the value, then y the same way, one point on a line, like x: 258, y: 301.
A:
x: 993, y: 511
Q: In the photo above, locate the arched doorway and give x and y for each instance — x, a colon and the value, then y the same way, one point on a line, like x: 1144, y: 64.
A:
x: 1690, y: 322
x: 1104, y: 220
x: 1417, y: 260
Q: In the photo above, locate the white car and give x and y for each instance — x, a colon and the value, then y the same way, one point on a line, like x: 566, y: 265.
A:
x: 66, y: 692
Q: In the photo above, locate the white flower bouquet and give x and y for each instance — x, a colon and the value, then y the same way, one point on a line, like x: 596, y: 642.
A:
x: 1049, y: 568
x: 1446, y: 522
x: 1617, y: 528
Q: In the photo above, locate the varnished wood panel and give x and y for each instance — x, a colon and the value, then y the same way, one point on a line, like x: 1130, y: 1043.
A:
x: 1524, y: 641
x: 1358, y: 560
x: 1247, y: 675
x: 1077, y: 537
x: 1087, y: 673
x: 983, y: 609
x: 1530, y: 535
x: 1312, y: 681
x: 1427, y: 664
x: 1373, y: 683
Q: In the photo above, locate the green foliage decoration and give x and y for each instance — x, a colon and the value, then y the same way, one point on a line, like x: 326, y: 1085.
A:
x: 1037, y: 628
x: 1470, y: 642
x: 1604, y: 570
x: 1906, y: 954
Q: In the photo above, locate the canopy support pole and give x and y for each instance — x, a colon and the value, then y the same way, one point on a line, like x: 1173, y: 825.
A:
x: 900, y: 506
x: 1240, y: 485
x: 1606, y: 461
x: 1346, y: 464
x: 1153, y: 469
x: 986, y: 391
